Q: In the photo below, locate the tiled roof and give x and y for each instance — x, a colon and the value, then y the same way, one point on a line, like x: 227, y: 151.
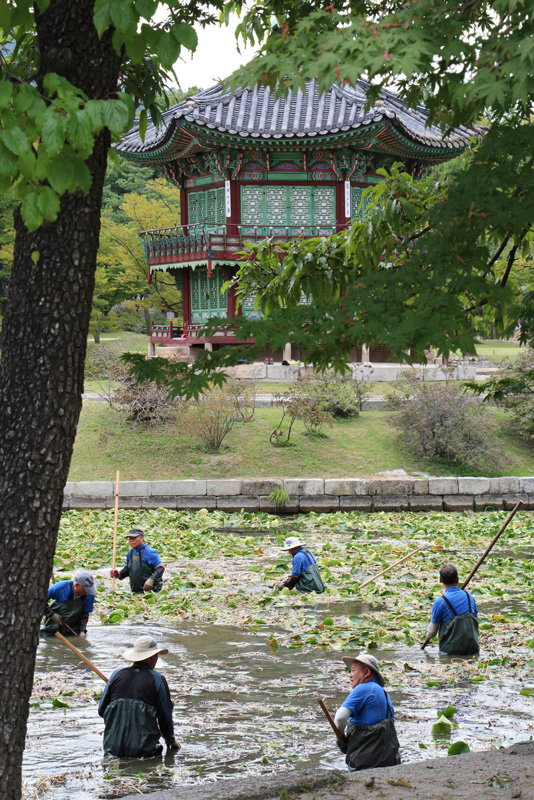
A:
x: 258, y: 113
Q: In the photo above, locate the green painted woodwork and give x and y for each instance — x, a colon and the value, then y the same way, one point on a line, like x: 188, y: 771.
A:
x: 281, y: 206
x: 357, y: 211
x: 206, y: 298
x: 207, y: 207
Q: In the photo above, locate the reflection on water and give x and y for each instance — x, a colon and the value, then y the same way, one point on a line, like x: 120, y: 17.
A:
x: 241, y: 708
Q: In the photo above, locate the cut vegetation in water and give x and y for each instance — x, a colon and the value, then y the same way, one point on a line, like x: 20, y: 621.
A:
x: 246, y: 663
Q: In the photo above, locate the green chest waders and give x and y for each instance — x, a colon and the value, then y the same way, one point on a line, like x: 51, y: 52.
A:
x: 459, y: 636
x: 310, y: 580
x: 372, y: 746
x: 71, y: 611
x: 139, y: 571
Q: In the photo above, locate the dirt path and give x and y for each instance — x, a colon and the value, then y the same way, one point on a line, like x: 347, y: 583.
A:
x: 490, y: 775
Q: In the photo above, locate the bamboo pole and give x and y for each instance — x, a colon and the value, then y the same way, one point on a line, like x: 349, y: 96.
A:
x: 489, y: 547
x: 333, y: 725
x: 80, y: 656
x: 115, y: 528
x: 391, y: 566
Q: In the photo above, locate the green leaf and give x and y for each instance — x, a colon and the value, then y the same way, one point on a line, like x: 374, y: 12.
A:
x: 6, y: 91
x: 48, y: 203
x: 442, y: 726
x: 143, y: 120
x: 30, y: 211
x: 167, y: 48
x: 94, y: 109
x: 102, y: 17
x: 51, y: 83
x: 458, y: 748
x: 60, y: 173
x: 16, y: 141
x: 146, y: 8
x: 115, y: 115
x: 53, y: 131
x: 59, y: 703
x: 35, y: 256
x: 122, y: 15
x: 185, y: 34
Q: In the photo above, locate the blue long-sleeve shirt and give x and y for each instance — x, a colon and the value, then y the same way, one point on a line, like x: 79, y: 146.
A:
x: 63, y: 591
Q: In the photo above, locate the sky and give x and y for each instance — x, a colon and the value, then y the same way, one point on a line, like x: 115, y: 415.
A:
x: 216, y: 57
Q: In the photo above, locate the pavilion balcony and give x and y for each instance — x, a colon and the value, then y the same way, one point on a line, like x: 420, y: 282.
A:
x: 171, y: 335
x: 190, y: 244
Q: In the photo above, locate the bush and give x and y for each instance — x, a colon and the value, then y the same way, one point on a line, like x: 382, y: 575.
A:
x: 145, y: 403
x: 438, y: 421
x: 298, y: 406
x: 338, y: 395
x: 217, y: 412
x: 516, y: 384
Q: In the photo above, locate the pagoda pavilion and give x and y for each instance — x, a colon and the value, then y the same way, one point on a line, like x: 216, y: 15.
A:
x: 250, y: 164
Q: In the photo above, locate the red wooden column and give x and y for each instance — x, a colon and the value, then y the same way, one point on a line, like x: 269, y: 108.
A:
x: 184, y: 219
x: 232, y: 229
x: 186, y: 294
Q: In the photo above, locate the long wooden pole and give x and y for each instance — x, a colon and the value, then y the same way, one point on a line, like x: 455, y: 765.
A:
x: 115, y: 528
x: 486, y: 552
x: 333, y: 725
x: 80, y: 656
x: 391, y: 566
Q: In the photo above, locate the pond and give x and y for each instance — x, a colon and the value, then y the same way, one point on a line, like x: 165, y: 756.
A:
x: 246, y: 665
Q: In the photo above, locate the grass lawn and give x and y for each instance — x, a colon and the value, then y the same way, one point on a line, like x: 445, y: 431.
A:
x: 360, y: 447
x: 496, y: 350
x: 125, y: 341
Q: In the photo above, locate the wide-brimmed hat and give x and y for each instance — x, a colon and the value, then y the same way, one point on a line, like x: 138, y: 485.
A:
x: 291, y: 542
x: 143, y: 648
x: 367, y: 661
x: 86, y: 581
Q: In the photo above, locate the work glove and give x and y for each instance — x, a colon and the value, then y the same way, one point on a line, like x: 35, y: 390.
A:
x: 343, y: 747
x: 172, y: 744
x: 114, y: 573
x: 148, y: 585
x: 82, y: 634
x: 56, y: 618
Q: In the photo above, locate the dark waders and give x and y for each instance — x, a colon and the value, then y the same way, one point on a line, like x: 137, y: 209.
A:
x: 371, y: 746
x: 459, y: 636
x: 310, y: 580
x: 139, y: 572
x: 71, y: 611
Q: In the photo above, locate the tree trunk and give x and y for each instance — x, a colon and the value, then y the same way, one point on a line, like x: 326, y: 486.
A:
x: 41, y: 379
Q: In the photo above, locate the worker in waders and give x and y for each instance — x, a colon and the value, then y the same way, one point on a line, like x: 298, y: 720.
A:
x: 73, y: 601
x: 136, y: 705
x: 143, y: 565
x: 305, y: 575
x: 455, y: 616
x: 366, y: 718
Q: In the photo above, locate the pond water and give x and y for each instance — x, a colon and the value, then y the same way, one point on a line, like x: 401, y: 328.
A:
x: 241, y: 709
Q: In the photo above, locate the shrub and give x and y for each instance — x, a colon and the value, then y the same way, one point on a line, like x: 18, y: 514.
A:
x: 516, y: 385
x: 297, y: 406
x: 145, y: 403
x: 217, y: 412
x: 438, y: 421
x: 338, y: 395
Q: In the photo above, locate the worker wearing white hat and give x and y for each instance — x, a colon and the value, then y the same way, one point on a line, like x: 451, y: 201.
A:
x: 136, y: 705
x: 366, y: 718
x: 305, y: 575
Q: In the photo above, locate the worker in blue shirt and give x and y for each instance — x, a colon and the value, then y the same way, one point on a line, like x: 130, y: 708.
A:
x: 366, y: 718
x: 73, y: 601
x: 305, y: 575
x: 455, y: 616
x: 143, y: 565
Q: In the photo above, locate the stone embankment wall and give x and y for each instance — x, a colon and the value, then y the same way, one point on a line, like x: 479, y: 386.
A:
x: 309, y: 494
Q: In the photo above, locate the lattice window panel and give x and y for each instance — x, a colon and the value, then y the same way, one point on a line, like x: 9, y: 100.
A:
x: 356, y: 193
x: 276, y: 201
x: 324, y: 205
x: 204, y: 291
x: 201, y: 214
x: 192, y: 207
x: 221, y: 206
x: 252, y: 205
x: 211, y: 206
x: 195, y: 296
x: 247, y: 307
x: 300, y: 204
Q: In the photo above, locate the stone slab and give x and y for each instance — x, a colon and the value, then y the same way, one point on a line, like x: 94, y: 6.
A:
x: 391, y: 502
x: 428, y: 502
x: 345, y: 486
x: 277, y: 372
x: 159, y: 501
x: 458, y: 502
x: 489, y: 501
x: 511, y: 500
x: 355, y: 502
x: 132, y: 489
x: 89, y: 489
x: 327, y: 502
x: 91, y: 502
x: 420, y: 486
x: 291, y: 507
x: 388, y: 487
x: 187, y: 502
x: 526, y: 485
x: 136, y: 501
x: 506, y: 485
x: 179, y: 488
x: 260, y: 486
x: 223, y: 487
x: 473, y: 485
x: 238, y: 503
x: 373, y: 404
x: 254, y: 372
x: 305, y: 486
x: 443, y: 486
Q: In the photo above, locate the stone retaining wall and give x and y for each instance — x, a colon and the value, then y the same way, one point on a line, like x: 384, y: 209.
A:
x: 309, y: 494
